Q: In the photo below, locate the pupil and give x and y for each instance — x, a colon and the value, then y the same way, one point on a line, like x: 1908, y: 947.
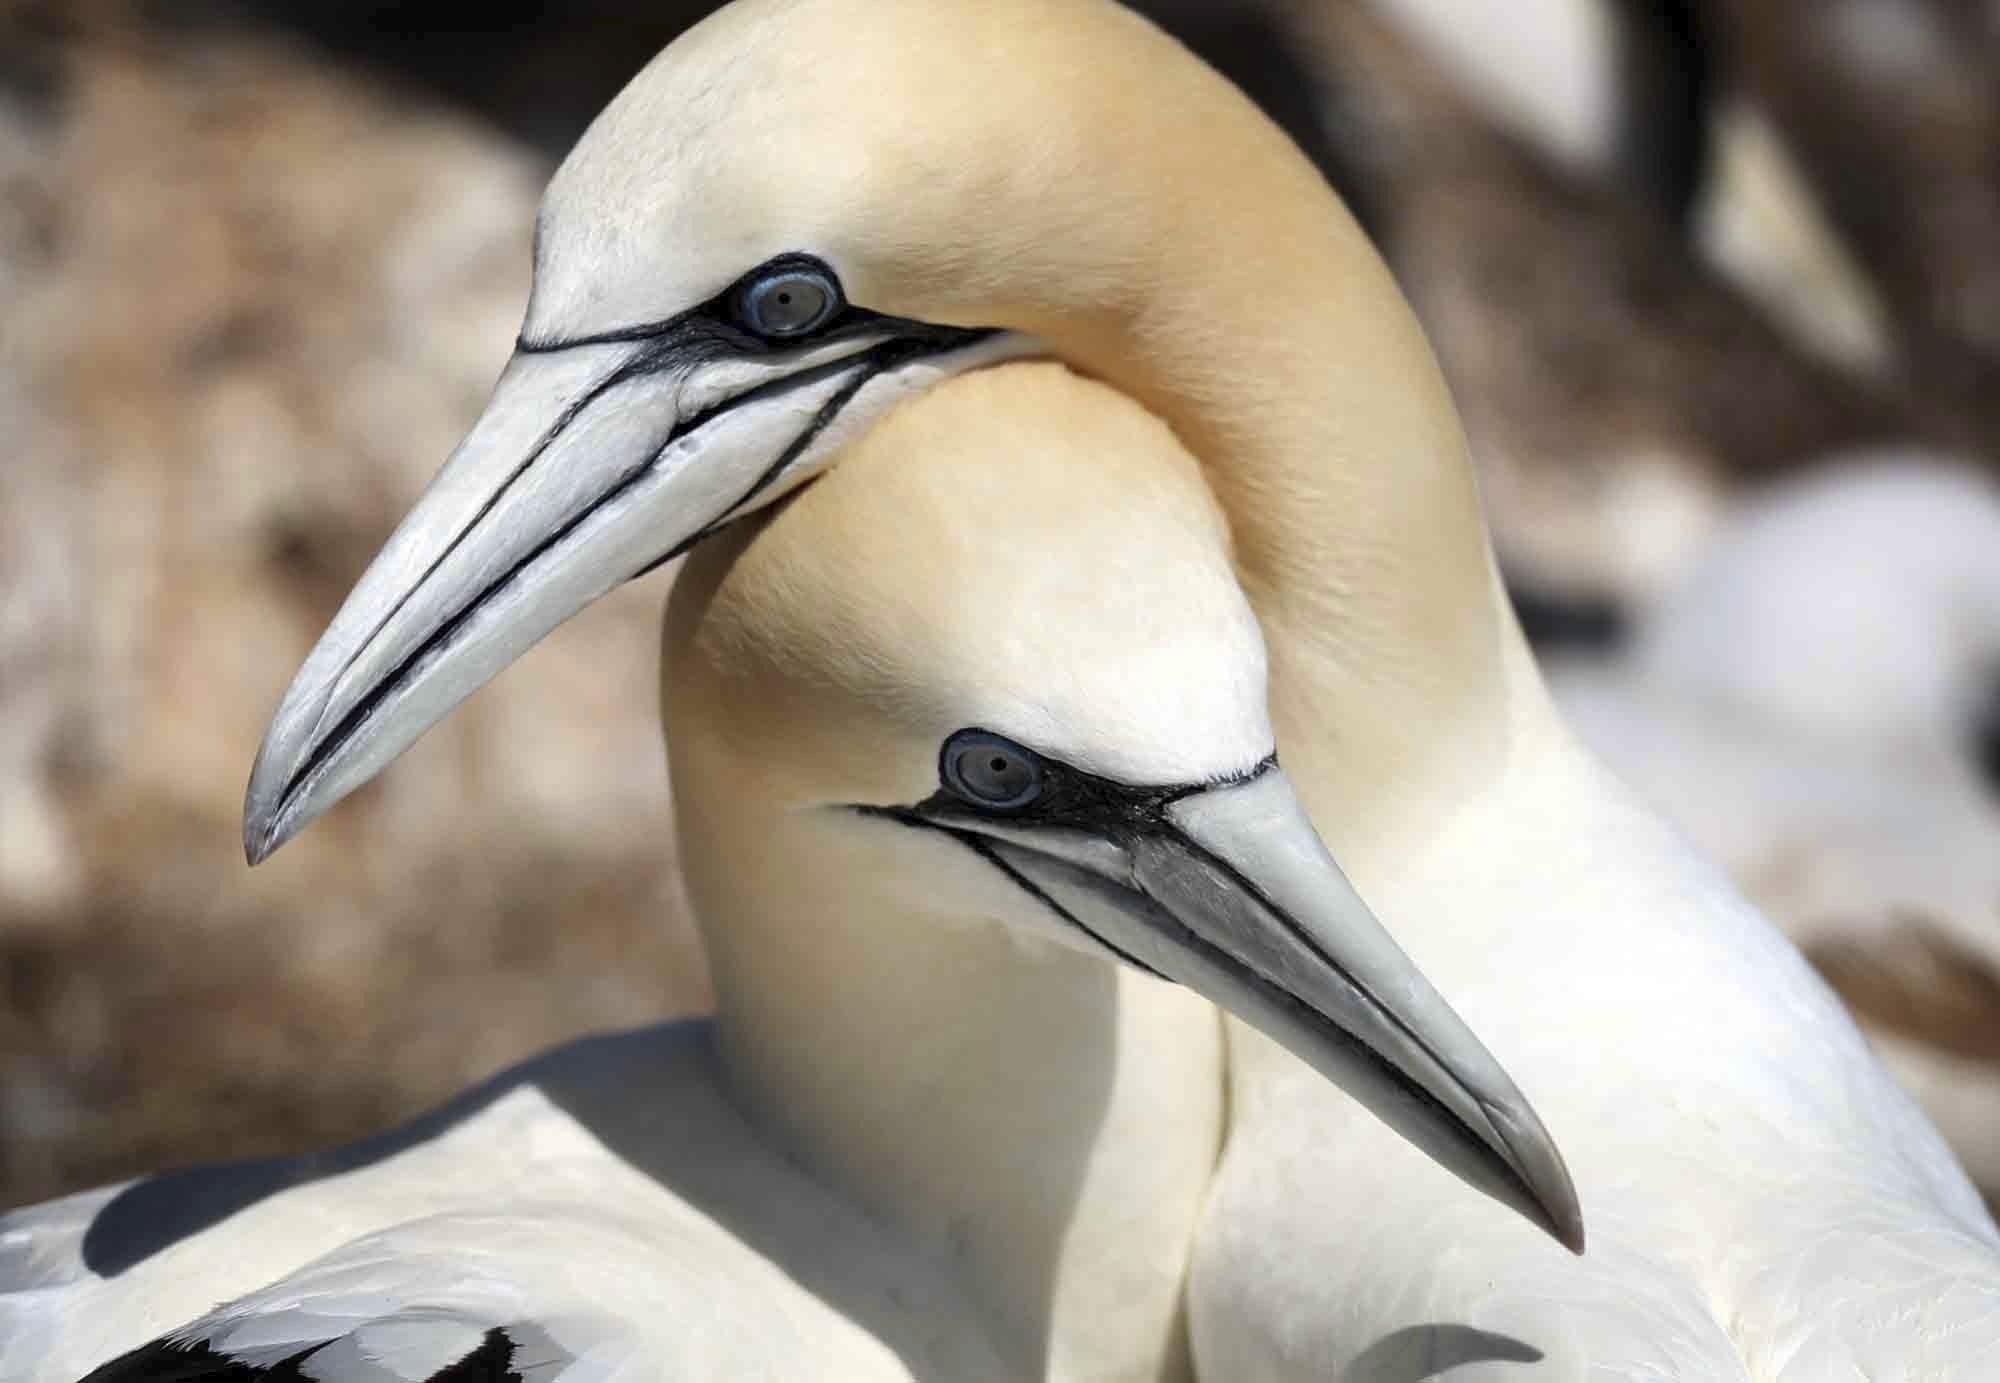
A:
x: 998, y: 765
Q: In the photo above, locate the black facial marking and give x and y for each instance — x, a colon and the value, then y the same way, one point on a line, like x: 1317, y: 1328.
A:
x: 1068, y: 796
x: 728, y: 311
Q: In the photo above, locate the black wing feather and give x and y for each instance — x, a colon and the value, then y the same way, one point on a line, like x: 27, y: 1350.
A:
x: 165, y: 1361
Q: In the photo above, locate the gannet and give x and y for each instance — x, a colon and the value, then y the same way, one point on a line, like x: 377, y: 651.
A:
x: 1647, y: 97
x: 1610, y: 90
x: 950, y: 819
x: 1601, y: 373
x: 938, y: 184
x: 1909, y: 90
x: 804, y: 209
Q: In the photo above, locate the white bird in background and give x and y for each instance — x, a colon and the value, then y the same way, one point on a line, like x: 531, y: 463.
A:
x: 804, y: 210
x: 1813, y: 705
x: 1643, y: 95
x: 1610, y: 90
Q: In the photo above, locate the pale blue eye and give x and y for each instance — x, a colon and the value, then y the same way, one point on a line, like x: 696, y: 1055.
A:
x: 789, y: 302
x: 989, y: 771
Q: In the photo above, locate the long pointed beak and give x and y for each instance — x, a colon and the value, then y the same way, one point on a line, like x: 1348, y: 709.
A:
x: 591, y: 464
x: 1230, y: 891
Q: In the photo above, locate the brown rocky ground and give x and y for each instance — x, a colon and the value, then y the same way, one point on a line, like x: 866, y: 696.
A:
x: 250, y: 300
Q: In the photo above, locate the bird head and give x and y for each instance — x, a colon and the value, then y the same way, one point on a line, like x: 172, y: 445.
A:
x: 800, y: 212
x: 996, y: 667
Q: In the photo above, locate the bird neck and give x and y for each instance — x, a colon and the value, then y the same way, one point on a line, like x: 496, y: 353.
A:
x: 1265, y: 330
x: 1142, y: 218
x: 1037, y: 1124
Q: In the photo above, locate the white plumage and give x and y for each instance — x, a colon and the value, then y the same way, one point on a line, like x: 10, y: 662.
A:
x: 536, y: 1205
x: 1765, y: 1205
x: 1555, y: 71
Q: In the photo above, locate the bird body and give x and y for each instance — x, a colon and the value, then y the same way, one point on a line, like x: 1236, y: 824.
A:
x: 608, y: 1189
x: 1550, y: 68
x: 1764, y: 1203
x: 1612, y: 91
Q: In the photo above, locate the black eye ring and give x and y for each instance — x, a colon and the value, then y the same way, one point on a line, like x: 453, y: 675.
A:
x: 989, y: 771
x: 788, y: 299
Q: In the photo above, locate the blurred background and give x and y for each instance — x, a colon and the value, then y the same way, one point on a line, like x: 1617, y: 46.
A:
x: 1717, y: 284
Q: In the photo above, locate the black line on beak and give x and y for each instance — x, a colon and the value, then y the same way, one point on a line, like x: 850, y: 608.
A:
x: 1181, y: 935
x: 867, y: 365
x: 644, y: 363
x: 979, y: 846
x: 1106, y: 807
x: 882, y: 359
x: 688, y: 340
x: 1121, y: 812
x: 1298, y: 933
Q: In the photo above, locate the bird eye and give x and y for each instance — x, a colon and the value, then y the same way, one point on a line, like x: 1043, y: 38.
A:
x: 787, y: 302
x: 991, y: 772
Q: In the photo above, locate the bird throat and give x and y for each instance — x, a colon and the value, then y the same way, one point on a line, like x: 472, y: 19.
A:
x: 1036, y: 1123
